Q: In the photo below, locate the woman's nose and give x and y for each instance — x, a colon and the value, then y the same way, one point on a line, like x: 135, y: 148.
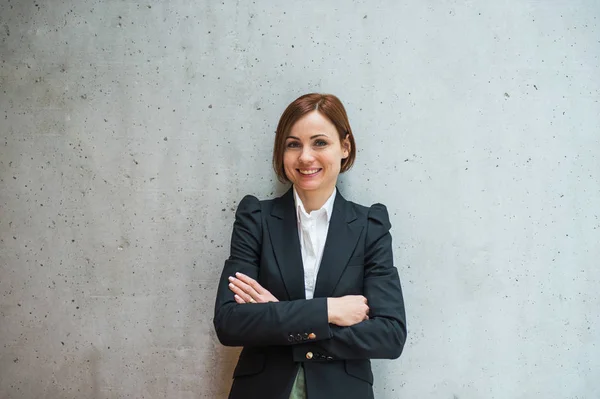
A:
x: 306, y: 155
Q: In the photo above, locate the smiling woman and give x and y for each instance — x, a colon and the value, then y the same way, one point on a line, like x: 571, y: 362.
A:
x: 310, y: 289
x: 313, y: 158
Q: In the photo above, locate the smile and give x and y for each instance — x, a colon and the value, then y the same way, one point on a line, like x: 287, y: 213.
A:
x: 308, y: 172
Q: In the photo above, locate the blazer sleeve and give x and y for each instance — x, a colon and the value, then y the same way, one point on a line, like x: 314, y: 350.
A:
x: 257, y: 324
x: 383, y: 335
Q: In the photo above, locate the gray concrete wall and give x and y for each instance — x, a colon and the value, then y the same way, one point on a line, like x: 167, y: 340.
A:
x: 130, y: 130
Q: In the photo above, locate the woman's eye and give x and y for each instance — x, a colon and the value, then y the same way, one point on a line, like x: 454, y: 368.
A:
x: 293, y: 144
x: 320, y: 143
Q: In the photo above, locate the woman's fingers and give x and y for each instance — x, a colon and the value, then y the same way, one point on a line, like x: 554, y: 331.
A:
x: 250, y: 290
x: 247, y: 298
x: 251, y: 282
x: 238, y: 299
x: 245, y: 288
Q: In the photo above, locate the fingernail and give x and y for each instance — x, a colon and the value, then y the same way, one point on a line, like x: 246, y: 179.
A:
x: 231, y: 278
x: 238, y: 274
x: 230, y: 285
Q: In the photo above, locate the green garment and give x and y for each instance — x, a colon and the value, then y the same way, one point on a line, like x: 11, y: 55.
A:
x: 299, y: 388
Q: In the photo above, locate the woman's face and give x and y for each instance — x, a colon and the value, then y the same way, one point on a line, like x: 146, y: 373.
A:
x: 313, y: 154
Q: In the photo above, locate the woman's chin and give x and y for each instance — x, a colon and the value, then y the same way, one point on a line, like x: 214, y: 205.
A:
x: 307, y: 185
x: 310, y: 186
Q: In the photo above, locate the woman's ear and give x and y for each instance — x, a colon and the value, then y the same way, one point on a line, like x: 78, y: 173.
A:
x: 346, y: 146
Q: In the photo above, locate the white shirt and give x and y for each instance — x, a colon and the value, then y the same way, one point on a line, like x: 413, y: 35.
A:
x: 312, y: 231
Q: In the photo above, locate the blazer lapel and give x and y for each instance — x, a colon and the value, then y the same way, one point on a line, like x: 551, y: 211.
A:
x: 342, y: 237
x: 283, y: 231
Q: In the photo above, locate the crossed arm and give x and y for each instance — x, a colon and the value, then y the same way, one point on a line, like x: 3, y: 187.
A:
x: 349, y: 327
x: 344, y: 311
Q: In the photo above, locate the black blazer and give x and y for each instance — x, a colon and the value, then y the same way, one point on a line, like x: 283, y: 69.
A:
x: 278, y: 336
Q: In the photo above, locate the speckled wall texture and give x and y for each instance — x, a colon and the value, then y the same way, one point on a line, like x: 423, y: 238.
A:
x: 129, y: 131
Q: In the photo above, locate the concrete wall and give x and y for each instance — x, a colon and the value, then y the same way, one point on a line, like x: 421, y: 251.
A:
x: 130, y: 131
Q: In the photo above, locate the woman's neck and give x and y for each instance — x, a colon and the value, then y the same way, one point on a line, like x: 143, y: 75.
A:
x: 313, y: 200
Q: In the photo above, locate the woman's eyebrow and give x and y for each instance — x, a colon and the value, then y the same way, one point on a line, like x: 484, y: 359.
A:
x: 311, y: 137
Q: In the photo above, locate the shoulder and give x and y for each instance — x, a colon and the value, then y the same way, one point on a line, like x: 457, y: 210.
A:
x: 377, y: 224
x: 248, y: 210
x: 376, y: 220
x: 248, y: 203
x: 376, y: 213
x: 251, y: 204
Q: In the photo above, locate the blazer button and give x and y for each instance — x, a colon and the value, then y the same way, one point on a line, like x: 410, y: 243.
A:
x: 312, y: 336
x: 290, y: 338
x: 309, y: 355
x: 298, y: 337
x: 305, y: 337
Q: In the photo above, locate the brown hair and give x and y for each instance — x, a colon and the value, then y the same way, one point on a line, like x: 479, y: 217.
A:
x: 327, y: 105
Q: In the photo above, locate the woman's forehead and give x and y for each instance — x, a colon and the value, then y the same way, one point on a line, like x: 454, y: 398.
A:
x: 311, y: 124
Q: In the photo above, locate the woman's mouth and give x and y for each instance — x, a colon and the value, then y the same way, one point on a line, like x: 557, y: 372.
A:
x: 308, y: 172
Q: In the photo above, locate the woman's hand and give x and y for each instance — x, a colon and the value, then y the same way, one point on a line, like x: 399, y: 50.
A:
x: 347, y: 310
x: 248, y: 290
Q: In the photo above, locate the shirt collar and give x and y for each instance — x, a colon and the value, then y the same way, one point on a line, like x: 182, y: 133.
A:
x: 327, y: 206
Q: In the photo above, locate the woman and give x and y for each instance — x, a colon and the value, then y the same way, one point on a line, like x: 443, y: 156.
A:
x: 310, y: 290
